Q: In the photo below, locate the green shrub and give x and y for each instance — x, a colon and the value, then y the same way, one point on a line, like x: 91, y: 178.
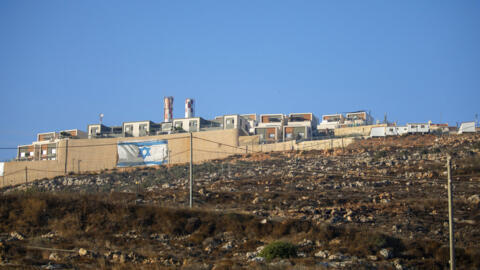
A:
x: 279, y: 249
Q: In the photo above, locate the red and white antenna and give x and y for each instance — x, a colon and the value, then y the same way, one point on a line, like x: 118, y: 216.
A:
x: 189, y: 108
x: 168, y: 109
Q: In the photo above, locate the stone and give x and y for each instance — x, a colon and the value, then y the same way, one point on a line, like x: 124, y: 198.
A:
x: 251, y: 255
x: 256, y: 200
x: 82, y: 252
x: 166, y: 185
x: 321, y: 254
x: 257, y: 259
x: 398, y: 265
x: 475, y: 199
x: 386, y: 253
x: 336, y: 257
x: 301, y: 255
x: 227, y: 246
x: 49, y: 235
x: 54, y: 256
x: 372, y: 257
x: 17, y: 236
x: 281, y: 263
x: 260, y: 248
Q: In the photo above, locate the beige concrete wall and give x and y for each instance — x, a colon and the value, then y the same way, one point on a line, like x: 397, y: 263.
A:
x: 360, y: 130
x: 248, y: 140
x: 306, y: 145
x: 325, y: 144
x: 16, y: 172
x: 94, y: 155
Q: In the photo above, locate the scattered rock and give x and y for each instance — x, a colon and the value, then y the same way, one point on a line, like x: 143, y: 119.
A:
x: 54, y: 256
x: 386, y: 253
x: 257, y: 259
x: 321, y: 254
x: 372, y: 257
x: 474, y: 199
x: 82, y: 252
x: 17, y: 236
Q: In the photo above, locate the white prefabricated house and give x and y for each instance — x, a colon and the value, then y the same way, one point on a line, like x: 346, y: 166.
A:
x: 402, y: 130
x: 422, y: 128
x: 377, y: 132
x: 388, y: 131
x: 467, y: 127
x: 391, y: 131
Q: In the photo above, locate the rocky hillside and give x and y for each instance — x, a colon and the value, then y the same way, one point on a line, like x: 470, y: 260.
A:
x: 378, y: 204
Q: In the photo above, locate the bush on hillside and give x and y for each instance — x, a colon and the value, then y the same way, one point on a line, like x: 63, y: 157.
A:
x: 279, y: 249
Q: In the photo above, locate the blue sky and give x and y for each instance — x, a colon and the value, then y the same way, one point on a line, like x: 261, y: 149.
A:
x: 64, y: 62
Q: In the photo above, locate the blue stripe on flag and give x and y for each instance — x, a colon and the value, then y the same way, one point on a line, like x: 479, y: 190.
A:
x: 144, y: 143
x: 146, y: 163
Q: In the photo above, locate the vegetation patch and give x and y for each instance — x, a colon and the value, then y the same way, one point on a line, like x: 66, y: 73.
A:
x: 279, y: 249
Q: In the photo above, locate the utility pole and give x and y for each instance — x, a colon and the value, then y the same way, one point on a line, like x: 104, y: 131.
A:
x: 66, y: 156
x: 26, y: 175
x: 450, y: 215
x: 138, y: 190
x: 191, y: 169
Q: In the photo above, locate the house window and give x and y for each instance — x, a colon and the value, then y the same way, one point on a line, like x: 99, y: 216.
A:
x: 22, y: 154
x: 44, y: 152
x: 423, y: 126
x: 31, y: 154
x: 271, y: 136
x: 289, y: 135
x: 54, y: 151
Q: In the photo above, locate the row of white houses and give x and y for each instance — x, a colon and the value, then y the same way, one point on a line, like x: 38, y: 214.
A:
x: 421, y: 128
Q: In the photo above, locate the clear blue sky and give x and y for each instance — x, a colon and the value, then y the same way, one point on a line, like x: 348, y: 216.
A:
x: 64, y: 62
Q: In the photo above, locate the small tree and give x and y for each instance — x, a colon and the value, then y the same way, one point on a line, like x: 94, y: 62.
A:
x: 279, y: 249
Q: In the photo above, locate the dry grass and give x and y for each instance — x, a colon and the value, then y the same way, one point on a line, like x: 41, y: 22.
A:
x: 92, y: 221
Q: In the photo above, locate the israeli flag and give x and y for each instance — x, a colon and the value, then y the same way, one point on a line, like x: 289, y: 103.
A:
x: 142, y: 153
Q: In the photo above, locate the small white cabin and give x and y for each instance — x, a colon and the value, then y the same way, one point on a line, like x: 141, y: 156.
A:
x: 467, y: 127
x: 377, y: 132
